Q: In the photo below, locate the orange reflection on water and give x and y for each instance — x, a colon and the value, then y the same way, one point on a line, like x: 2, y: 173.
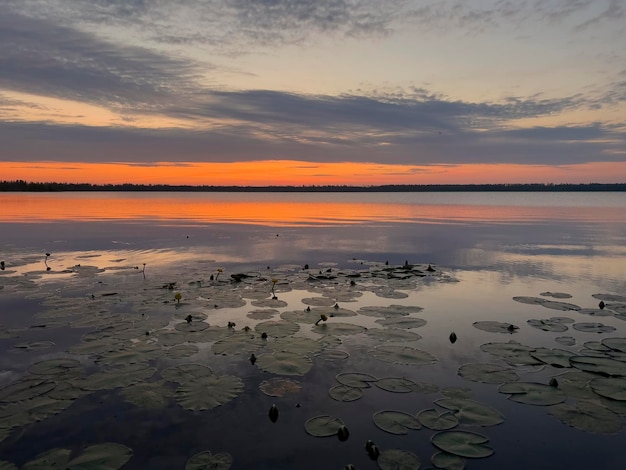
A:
x: 280, y: 209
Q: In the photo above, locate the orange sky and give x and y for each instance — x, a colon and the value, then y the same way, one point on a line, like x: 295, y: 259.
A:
x: 298, y: 173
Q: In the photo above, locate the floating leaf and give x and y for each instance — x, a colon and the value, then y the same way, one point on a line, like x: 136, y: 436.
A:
x: 277, y: 328
x: 393, y: 334
x: 565, y: 340
x: 471, y: 412
x: 576, y: 384
x: 402, y: 322
x: 512, y: 352
x: 25, y: 388
x: 593, y: 327
x: 340, y: 329
x: 333, y: 355
x: 533, y: 393
x: 238, y: 343
x: 402, y: 355
x: 54, y: 366
x: 599, y: 365
x: 437, y: 421
x: 613, y: 388
x: 448, y: 461
x: 547, y: 325
x: 279, y: 386
x: 487, y: 373
x: 610, y: 297
x: 495, y: 326
x: 345, y: 393
x: 208, y: 392
x: 323, y: 426
x: 185, y: 372
x: 617, y: 344
x: 206, y: 460
x: 355, y: 379
x: 284, y: 363
x: 396, y: 384
x: 390, y: 311
x: 395, y: 422
x: 556, y: 295
x: 152, y: 395
x: 397, y: 459
x: 463, y: 443
x: 588, y: 417
x: 108, y: 456
x: 554, y: 357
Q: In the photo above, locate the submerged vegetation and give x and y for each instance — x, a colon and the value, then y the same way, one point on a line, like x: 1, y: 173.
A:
x: 322, y: 344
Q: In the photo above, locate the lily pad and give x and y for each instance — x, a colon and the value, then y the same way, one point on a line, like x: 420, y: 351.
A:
x: 206, y: 460
x: 589, y: 327
x: 448, y: 461
x: 470, y: 412
x: 402, y: 322
x: 277, y: 328
x: 323, y: 426
x: 208, y: 392
x: 284, y: 363
x: 547, y: 325
x: 463, y: 443
x: 397, y: 459
x: 402, y: 355
x: 437, y: 421
x: 344, y: 393
x: 617, y: 344
x: 339, y: 329
x: 599, y: 365
x: 613, y: 388
x: 487, y: 373
x: 26, y: 388
x: 532, y: 393
x: 588, y: 417
x: 355, y: 379
x: 280, y: 386
x: 396, y: 384
x: 554, y: 357
x: 395, y: 422
x: 108, y: 456
x: 54, y: 366
x: 495, y: 326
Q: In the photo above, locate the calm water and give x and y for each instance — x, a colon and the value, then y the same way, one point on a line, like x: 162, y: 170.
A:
x: 486, y: 248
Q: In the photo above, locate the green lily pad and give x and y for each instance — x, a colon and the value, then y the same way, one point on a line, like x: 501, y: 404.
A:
x: 5, y: 465
x: 393, y: 334
x: 345, y: 393
x: 108, y: 379
x: 547, y: 325
x: 495, y: 326
x: 391, y: 311
x: 238, y: 343
x: 323, y: 426
x: 556, y: 295
x: 599, y: 365
x: 355, y: 379
x: 487, y: 373
x: 397, y: 459
x: 448, y: 461
x: 396, y: 384
x: 554, y: 357
x: 26, y: 388
x: 208, y: 392
x: 402, y: 355
x: 277, y: 328
x: 296, y: 345
x: 280, y: 386
x: 284, y: 363
x: 339, y: 329
x: 589, y: 327
x: 613, y: 387
x: 437, y: 421
x: 588, y: 417
x: 566, y: 340
x: 151, y: 395
x: 610, y: 297
x: 470, y: 412
x: 54, y: 366
x: 185, y: 372
x: 108, y: 456
x: 395, y: 422
x: 576, y: 384
x: 617, y: 344
x: 206, y: 460
x: 532, y: 393
x: 463, y: 443
x: 512, y: 352
x: 333, y: 355
x: 402, y: 322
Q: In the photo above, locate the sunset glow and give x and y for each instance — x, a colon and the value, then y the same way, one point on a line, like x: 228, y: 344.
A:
x: 332, y: 93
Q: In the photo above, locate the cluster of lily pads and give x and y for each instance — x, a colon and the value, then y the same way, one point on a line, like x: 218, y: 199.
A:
x: 161, y: 341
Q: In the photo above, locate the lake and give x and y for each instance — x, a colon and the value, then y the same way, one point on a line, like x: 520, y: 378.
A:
x: 157, y: 330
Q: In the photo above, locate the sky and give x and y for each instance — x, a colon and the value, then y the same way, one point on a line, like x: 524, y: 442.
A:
x: 300, y: 92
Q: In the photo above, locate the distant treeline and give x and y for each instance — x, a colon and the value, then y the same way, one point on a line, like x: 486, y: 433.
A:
x: 20, y: 185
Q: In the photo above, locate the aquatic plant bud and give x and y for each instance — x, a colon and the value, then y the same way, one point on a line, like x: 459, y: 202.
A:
x: 252, y: 358
x: 273, y: 414
x: 2, y: 265
x: 349, y: 467
x: 372, y: 450
x: 264, y: 335
x: 188, y: 318
x: 453, y: 337
x: 512, y: 328
x: 231, y: 324
x: 178, y: 296
x: 430, y: 269
x: 306, y: 266
x: 601, y: 305
x: 336, y: 306
x: 553, y: 382
x: 343, y: 433
x: 321, y: 318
